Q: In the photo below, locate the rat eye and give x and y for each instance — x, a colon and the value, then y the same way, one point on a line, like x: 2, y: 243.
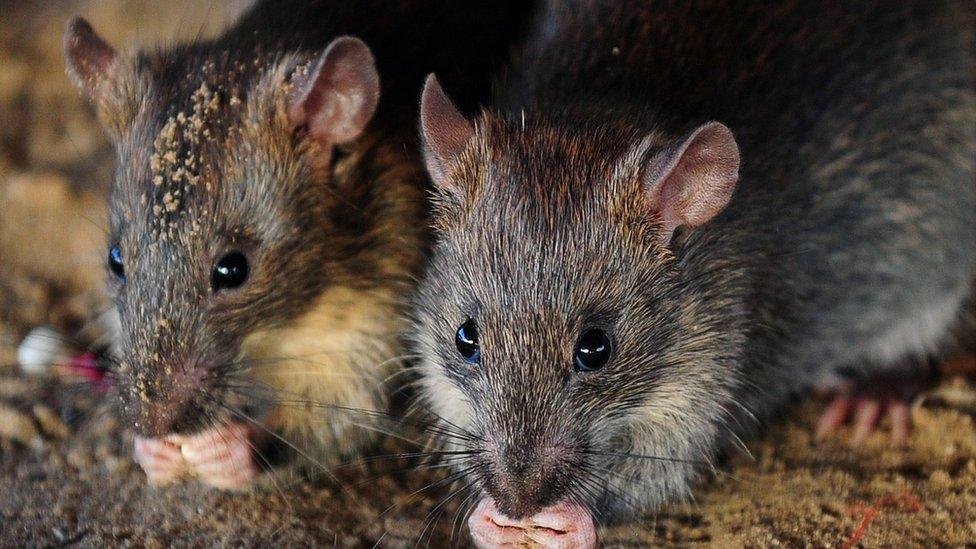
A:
x: 231, y: 272
x: 115, y: 263
x: 467, y: 342
x: 592, y: 351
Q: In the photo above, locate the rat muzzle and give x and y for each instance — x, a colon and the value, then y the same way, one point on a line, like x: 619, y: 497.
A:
x: 565, y: 525
x: 160, y: 401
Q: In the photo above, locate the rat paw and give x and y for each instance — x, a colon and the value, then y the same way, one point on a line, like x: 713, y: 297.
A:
x: 222, y: 456
x: 864, y: 402
x: 160, y: 459
x: 865, y: 414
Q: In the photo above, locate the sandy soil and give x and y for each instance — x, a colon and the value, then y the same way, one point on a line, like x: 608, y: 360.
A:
x: 66, y: 474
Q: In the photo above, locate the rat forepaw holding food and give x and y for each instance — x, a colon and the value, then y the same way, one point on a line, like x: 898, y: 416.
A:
x: 222, y: 456
x: 161, y: 459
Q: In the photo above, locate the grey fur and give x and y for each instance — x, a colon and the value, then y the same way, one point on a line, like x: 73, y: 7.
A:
x: 849, y: 245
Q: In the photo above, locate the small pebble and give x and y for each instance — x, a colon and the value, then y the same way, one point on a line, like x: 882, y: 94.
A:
x: 19, y: 427
x: 11, y: 387
x: 50, y: 422
x: 81, y: 458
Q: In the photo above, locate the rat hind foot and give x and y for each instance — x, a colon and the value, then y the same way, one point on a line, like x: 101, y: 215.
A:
x: 866, y: 402
x: 865, y: 413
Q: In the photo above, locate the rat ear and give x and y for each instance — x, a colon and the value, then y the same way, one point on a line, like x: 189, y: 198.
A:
x: 445, y: 131
x: 90, y: 59
x: 690, y: 182
x: 337, y: 97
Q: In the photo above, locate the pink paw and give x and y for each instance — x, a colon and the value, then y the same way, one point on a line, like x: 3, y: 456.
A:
x: 221, y: 456
x: 865, y: 411
x: 866, y: 400
x: 160, y: 459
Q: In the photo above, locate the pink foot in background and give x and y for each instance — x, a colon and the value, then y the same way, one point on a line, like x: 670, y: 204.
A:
x: 221, y: 456
x: 865, y: 402
x: 865, y: 413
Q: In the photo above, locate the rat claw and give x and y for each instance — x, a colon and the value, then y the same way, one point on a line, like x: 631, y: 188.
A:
x: 222, y: 456
x: 160, y: 460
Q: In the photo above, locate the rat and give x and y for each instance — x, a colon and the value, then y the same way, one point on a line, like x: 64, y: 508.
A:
x: 672, y: 218
x: 267, y: 220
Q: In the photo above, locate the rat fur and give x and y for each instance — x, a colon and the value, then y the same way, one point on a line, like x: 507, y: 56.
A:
x: 596, y: 193
x: 262, y: 141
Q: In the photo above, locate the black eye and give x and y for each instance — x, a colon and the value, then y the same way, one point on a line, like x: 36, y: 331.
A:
x: 231, y: 271
x: 592, y: 351
x: 115, y: 263
x: 467, y: 342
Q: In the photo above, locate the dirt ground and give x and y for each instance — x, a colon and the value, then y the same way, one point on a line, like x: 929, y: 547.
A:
x: 66, y: 473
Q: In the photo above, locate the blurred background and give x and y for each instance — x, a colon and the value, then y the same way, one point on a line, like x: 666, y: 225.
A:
x: 55, y: 162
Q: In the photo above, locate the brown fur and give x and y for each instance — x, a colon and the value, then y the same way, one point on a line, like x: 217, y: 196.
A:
x: 211, y: 161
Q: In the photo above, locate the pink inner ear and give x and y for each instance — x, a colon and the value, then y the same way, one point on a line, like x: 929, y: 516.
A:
x: 339, y: 96
x: 690, y: 184
x: 445, y: 130
x: 90, y: 59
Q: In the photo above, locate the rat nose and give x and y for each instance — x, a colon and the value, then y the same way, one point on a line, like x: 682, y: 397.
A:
x: 157, y: 405
x: 155, y: 417
x: 565, y: 525
x: 525, y: 479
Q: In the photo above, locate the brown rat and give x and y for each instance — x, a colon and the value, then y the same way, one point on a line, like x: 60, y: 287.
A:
x: 265, y: 225
x: 675, y: 215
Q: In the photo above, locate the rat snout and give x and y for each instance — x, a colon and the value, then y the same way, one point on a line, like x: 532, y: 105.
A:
x: 159, y: 401
x: 527, y: 477
x: 155, y: 416
x: 565, y: 525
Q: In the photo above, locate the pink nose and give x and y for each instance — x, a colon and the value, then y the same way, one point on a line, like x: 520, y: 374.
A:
x: 565, y: 525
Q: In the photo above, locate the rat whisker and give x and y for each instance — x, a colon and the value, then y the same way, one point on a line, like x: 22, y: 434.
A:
x: 625, y: 455
x: 447, y: 480
x: 412, y: 455
x: 427, y: 426
x: 434, y: 515
x: 465, y: 508
x: 281, y: 439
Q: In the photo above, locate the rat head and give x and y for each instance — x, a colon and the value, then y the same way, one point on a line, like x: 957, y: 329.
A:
x: 558, y: 325
x: 224, y: 206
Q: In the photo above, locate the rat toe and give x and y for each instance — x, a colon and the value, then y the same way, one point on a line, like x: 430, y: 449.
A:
x: 901, y: 423
x: 866, y: 414
x: 833, y: 417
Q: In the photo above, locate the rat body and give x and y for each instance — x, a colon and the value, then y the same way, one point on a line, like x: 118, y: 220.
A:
x: 265, y: 225
x: 602, y: 314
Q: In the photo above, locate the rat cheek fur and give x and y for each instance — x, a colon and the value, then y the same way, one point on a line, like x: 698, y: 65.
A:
x: 656, y: 452
x: 447, y: 401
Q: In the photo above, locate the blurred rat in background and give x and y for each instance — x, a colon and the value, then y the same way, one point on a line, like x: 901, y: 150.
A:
x: 674, y: 216
x: 266, y: 221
